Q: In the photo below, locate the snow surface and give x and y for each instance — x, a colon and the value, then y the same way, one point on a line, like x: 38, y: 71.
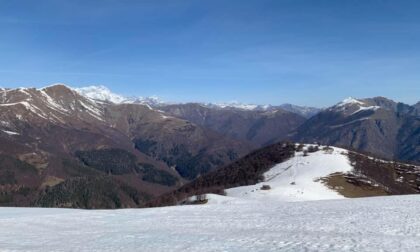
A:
x: 372, y: 224
x: 10, y: 132
x: 297, y: 178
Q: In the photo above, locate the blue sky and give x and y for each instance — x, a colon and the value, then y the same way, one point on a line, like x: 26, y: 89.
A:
x: 303, y: 52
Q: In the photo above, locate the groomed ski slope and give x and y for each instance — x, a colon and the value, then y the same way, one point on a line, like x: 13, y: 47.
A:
x: 225, y: 224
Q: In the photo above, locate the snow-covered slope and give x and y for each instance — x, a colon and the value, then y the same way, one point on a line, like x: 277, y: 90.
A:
x: 370, y: 224
x: 53, y: 103
x: 298, y: 178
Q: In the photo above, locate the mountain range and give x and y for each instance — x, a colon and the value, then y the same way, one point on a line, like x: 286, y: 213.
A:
x: 376, y: 125
x: 91, y: 148
x: 102, y: 93
x: 60, y: 148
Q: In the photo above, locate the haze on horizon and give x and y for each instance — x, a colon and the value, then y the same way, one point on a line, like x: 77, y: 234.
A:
x: 311, y: 53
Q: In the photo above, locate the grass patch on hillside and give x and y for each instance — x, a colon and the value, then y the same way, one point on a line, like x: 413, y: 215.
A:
x: 351, y: 186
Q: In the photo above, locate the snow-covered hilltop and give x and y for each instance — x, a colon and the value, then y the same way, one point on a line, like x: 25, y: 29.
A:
x: 287, y: 172
x: 323, y: 173
x: 299, y: 178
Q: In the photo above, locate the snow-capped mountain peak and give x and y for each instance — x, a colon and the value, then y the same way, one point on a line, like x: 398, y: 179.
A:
x: 104, y: 94
x: 100, y: 93
x: 349, y: 101
x: 351, y: 106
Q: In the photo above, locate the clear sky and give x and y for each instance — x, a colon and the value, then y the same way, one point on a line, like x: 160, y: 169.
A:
x: 263, y: 51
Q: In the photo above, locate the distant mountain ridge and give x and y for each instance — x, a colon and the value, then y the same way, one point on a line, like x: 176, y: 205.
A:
x: 259, y: 127
x: 102, y: 93
x: 257, y: 124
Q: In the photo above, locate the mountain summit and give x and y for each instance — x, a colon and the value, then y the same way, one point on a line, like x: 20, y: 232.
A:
x: 377, y: 125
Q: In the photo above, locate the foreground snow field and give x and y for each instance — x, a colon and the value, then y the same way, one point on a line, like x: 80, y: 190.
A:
x: 225, y: 224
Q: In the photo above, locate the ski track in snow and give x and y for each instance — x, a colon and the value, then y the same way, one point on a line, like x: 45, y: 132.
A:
x: 225, y: 224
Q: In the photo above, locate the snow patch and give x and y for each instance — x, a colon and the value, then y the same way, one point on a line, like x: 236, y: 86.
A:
x: 4, y: 123
x: 93, y: 111
x: 10, y: 132
x: 349, y: 123
x: 374, y: 108
x: 52, y: 104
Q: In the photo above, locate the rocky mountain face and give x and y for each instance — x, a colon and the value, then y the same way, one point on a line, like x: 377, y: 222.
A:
x: 306, y: 112
x: 409, y: 140
x: 376, y: 125
x: 259, y: 127
x: 417, y: 108
x: 188, y: 148
x: 59, y: 148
